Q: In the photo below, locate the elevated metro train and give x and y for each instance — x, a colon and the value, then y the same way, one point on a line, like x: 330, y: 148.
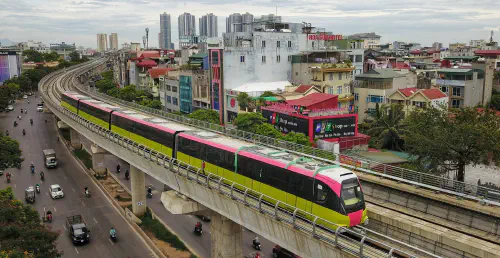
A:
x: 330, y: 192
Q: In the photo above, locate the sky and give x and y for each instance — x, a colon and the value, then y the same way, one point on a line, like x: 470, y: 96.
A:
x: 78, y: 21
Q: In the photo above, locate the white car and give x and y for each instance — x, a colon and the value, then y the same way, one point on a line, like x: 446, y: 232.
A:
x: 10, y: 108
x: 39, y: 108
x: 56, y: 192
x: 25, y: 96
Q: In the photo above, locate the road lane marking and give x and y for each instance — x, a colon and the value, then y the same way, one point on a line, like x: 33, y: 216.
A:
x: 55, y: 208
x: 96, y: 221
x: 65, y: 178
x: 73, y: 189
x: 111, y: 242
x: 15, y: 186
x: 77, y: 251
x: 64, y: 227
x: 83, y: 203
x: 190, y: 216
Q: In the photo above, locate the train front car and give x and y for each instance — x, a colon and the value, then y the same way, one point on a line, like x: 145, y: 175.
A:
x: 346, y: 186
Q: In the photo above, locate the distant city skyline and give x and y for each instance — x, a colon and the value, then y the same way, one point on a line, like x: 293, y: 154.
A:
x: 443, y: 21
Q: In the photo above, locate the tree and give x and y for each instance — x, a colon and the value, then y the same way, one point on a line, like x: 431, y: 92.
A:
x: 63, y: 64
x: 127, y: 93
x: 388, y: 128
x: 74, y: 57
x: 268, y: 130
x: 114, y: 92
x: 105, y: 85
x: 249, y: 121
x: 243, y: 100
x: 33, y: 56
x: 10, y: 154
x: 267, y: 94
x: 21, y: 233
x: 156, y: 104
x: 52, y: 56
x: 298, y: 138
x: 453, y: 139
x: 207, y: 115
x: 108, y: 75
x: 495, y: 100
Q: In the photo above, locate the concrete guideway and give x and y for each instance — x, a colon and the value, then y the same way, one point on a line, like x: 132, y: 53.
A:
x: 147, y: 166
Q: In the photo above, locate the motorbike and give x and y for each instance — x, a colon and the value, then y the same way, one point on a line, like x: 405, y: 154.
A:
x: 198, y: 231
x: 25, y: 111
x: 256, y: 245
x: 8, y: 178
x: 31, y: 121
x: 42, y: 177
x: 32, y: 170
x: 37, y: 189
x: 24, y: 132
x: 47, y: 217
x: 113, y: 237
x: 87, y: 194
x: 150, y: 195
x: 127, y: 176
x: 15, y: 123
x: 118, y: 169
x: 7, y: 133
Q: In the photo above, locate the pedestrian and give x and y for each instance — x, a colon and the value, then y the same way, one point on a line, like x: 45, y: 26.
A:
x: 57, y: 138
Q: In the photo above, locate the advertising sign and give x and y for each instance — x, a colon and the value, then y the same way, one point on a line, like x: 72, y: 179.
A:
x: 286, y: 123
x: 324, y: 37
x: 334, y: 127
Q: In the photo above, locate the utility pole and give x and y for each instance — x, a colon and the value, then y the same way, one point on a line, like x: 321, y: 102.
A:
x: 147, y: 38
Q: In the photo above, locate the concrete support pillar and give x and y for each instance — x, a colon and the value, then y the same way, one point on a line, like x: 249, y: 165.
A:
x: 75, y: 139
x: 138, y: 182
x: 98, y: 159
x: 226, y: 237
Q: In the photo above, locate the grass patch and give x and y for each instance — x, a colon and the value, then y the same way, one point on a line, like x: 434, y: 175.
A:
x: 160, y: 232
x: 85, y: 157
x: 66, y: 135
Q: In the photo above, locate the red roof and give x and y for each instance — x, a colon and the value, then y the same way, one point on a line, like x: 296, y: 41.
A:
x: 401, y: 66
x: 408, y: 91
x: 150, y: 54
x: 303, y: 88
x: 157, y: 71
x: 146, y: 63
x: 433, y: 93
x: 487, y: 52
x: 416, y: 51
x: 311, y: 99
x: 433, y: 51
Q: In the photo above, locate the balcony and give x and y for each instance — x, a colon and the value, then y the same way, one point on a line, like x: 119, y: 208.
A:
x: 450, y: 82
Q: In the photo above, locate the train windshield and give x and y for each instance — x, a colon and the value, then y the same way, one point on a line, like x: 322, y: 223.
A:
x: 351, y: 195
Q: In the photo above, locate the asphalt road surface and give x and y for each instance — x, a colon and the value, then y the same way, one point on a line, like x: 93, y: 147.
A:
x: 181, y: 225
x: 97, y: 211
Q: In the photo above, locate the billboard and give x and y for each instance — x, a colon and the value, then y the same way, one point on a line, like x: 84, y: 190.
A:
x: 334, y: 127
x: 286, y: 123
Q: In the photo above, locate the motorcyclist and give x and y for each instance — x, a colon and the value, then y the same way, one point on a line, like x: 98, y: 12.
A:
x: 31, y: 120
x: 28, y: 101
x: 86, y: 190
x: 127, y: 174
x: 118, y: 168
x: 37, y: 187
x: 7, y: 132
x: 198, y: 226
x: 8, y: 175
x: 150, y: 191
x: 21, y: 110
x: 112, y: 232
x: 42, y: 175
x: 24, y: 132
x: 256, y: 241
x: 25, y: 111
x: 32, y: 167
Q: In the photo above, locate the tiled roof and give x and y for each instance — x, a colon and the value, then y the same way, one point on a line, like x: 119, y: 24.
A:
x: 311, y: 99
x: 150, y: 54
x: 433, y: 93
x: 401, y: 66
x: 303, y: 88
x: 408, y: 91
x: 487, y: 52
x: 147, y: 63
x: 157, y: 71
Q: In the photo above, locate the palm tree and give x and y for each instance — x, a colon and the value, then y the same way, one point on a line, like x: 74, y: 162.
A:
x: 387, y: 128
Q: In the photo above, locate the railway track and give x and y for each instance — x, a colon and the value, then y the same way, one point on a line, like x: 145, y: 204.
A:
x: 63, y: 80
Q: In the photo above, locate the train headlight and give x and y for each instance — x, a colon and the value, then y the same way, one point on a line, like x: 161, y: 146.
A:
x: 366, y: 222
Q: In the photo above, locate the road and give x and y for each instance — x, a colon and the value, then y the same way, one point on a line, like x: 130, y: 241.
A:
x: 181, y: 225
x: 98, y: 211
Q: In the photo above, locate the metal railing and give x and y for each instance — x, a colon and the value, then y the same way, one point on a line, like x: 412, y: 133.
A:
x: 411, y: 177
x: 316, y: 227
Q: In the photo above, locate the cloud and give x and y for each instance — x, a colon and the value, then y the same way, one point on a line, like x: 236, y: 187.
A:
x: 79, y: 21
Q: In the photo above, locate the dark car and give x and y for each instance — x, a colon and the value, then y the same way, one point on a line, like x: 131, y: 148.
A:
x: 280, y: 252
x: 204, y: 218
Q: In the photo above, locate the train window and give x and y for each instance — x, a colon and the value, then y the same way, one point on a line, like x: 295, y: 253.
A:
x: 321, y: 192
x: 351, y: 193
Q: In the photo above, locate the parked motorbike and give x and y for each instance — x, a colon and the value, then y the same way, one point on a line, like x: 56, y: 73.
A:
x: 37, y: 189
x: 198, y: 231
x: 87, y: 194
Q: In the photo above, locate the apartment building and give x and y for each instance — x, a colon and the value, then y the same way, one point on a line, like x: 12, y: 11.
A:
x: 413, y: 98
x: 463, y: 86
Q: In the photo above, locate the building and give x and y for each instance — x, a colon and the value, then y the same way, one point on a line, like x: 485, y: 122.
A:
x: 398, y: 44
x: 216, y: 64
x: 208, y: 25
x: 62, y: 47
x: 272, y: 22
x: 113, y: 41
x: 102, y: 42
x: 437, y: 46
x: 463, y: 86
x: 478, y: 43
x: 327, y: 72
x: 10, y: 64
x: 171, y: 94
x: 32, y: 45
x: 135, y: 47
x: 413, y: 98
x: 355, y: 52
x: 165, y: 31
x: 297, y: 92
x: 371, y: 40
x: 126, y: 46
x: 186, y: 23
x: 239, y: 22
x: 374, y: 87
x: 453, y: 46
x: 316, y: 117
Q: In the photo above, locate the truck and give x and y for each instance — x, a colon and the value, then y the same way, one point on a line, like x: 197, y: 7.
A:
x: 49, y: 156
x: 77, y: 229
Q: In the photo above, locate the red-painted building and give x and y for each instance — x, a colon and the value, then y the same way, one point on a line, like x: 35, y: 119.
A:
x: 318, y: 117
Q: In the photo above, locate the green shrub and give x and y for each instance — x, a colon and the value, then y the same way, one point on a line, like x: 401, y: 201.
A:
x: 160, y: 232
x: 85, y: 157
